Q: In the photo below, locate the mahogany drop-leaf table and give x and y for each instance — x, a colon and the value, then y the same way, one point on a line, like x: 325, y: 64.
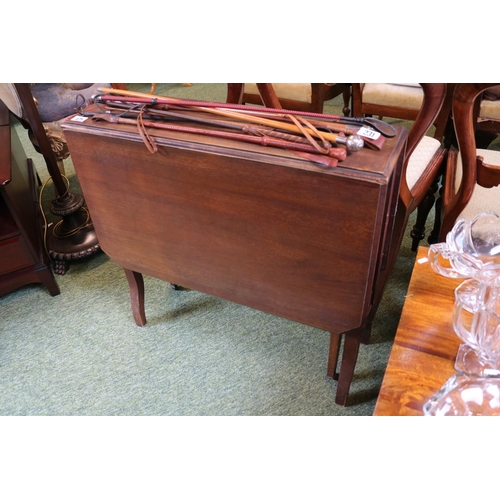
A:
x: 255, y: 225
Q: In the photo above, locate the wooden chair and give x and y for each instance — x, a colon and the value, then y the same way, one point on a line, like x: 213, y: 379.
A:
x: 404, y: 101
x: 297, y: 96
x: 487, y: 113
x: 433, y: 98
x: 423, y: 159
x: 472, y: 175
x: 396, y: 100
x: 411, y: 192
x: 486, y: 117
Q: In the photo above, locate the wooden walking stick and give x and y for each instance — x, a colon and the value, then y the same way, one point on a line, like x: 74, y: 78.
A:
x: 352, y: 143
x: 386, y: 129
x: 329, y: 158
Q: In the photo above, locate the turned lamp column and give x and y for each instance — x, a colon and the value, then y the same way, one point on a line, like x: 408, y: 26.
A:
x: 74, y: 238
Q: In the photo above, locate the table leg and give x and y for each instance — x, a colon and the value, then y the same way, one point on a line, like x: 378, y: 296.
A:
x: 333, y: 356
x: 350, y: 355
x: 136, y: 286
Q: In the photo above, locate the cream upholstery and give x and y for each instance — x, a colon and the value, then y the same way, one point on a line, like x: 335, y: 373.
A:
x: 420, y: 159
x: 425, y: 154
x: 294, y: 91
x: 408, y: 96
x: 489, y: 110
x: 483, y: 199
x: 403, y: 95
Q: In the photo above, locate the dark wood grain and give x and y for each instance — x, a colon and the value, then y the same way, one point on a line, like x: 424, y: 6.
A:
x: 254, y: 225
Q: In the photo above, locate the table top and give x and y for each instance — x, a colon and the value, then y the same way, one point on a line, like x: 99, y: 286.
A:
x: 243, y: 222
x: 423, y: 355
x: 367, y: 162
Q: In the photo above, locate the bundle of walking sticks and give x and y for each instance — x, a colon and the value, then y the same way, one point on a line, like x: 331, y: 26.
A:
x: 321, y: 138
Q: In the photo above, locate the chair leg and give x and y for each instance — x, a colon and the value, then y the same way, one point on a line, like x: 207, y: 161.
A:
x: 347, y: 102
x: 418, y: 232
x: 235, y: 93
x: 436, y: 230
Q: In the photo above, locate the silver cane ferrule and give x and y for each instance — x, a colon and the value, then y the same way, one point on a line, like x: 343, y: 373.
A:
x: 352, y: 142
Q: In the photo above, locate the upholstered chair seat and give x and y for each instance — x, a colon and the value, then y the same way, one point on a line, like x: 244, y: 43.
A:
x: 404, y: 101
x: 489, y: 110
x: 399, y: 95
x: 420, y: 159
x: 293, y: 91
x: 483, y: 199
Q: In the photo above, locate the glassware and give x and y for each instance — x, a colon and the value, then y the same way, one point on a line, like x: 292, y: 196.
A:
x: 472, y: 250
x: 476, y: 321
x: 463, y: 395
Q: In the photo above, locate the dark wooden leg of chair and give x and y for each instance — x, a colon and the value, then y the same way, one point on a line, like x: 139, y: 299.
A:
x: 235, y: 93
x: 347, y: 102
x: 136, y: 285
x: 434, y: 236
x: 418, y: 232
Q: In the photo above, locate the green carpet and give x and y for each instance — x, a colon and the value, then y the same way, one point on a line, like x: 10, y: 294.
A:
x: 80, y: 353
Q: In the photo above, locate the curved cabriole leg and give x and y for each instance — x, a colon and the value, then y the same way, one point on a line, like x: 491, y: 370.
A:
x: 136, y: 285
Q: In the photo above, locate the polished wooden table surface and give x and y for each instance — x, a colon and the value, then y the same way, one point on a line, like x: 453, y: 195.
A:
x: 423, y: 355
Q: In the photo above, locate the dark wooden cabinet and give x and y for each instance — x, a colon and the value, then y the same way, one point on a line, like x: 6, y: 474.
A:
x: 258, y: 226
x: 23, y: 259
